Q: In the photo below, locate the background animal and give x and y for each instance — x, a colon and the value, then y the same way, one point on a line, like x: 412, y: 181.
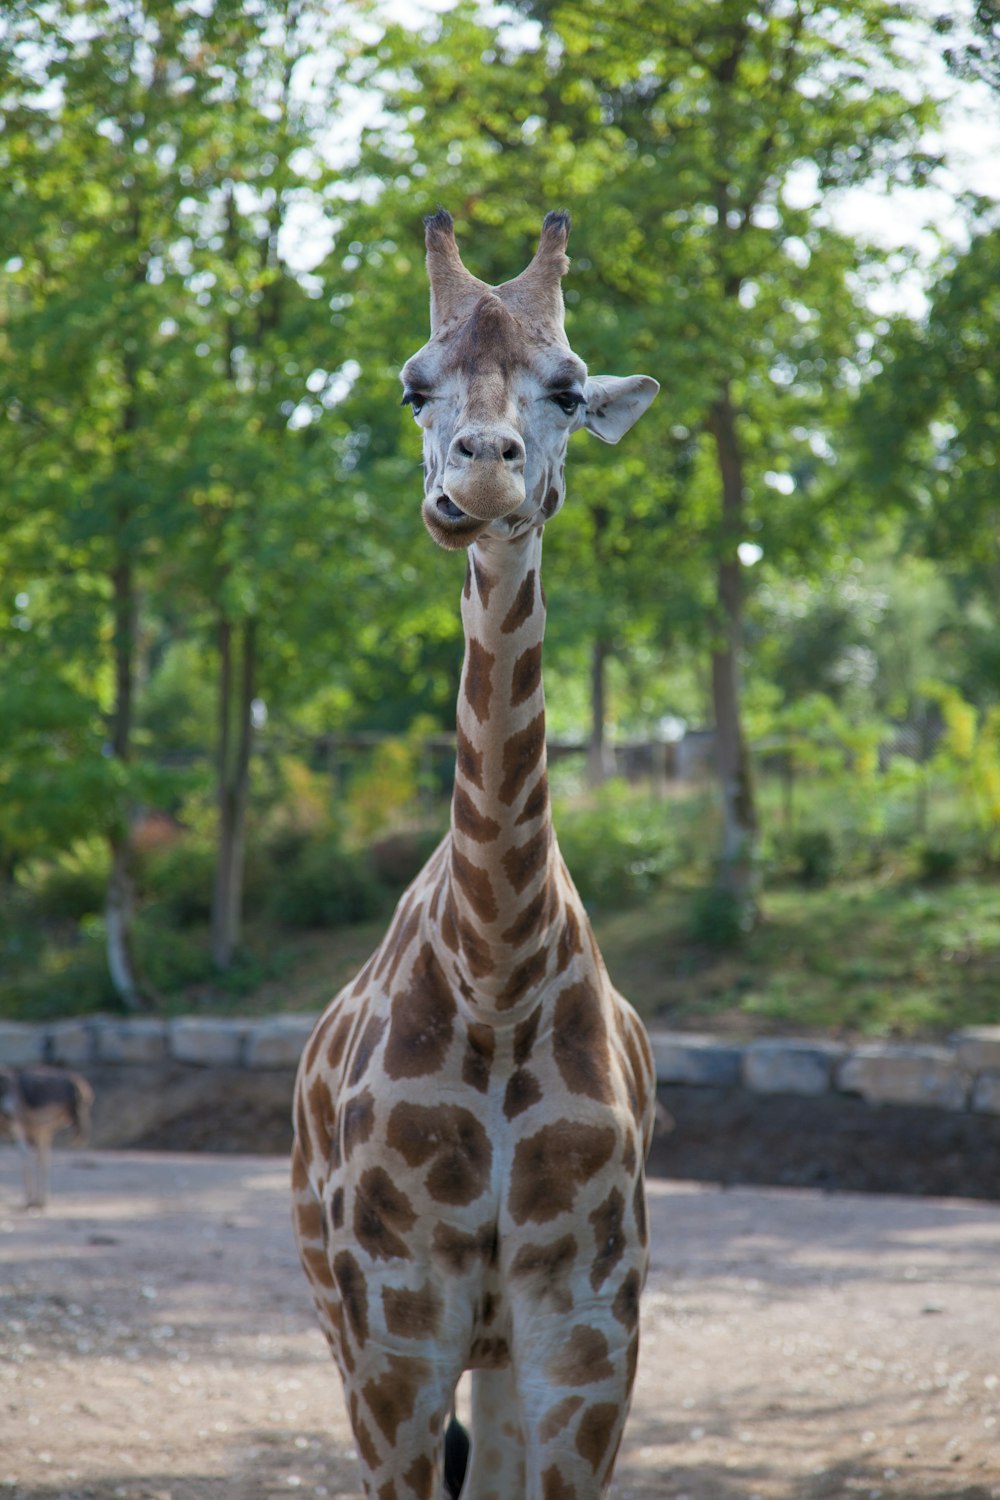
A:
x: 35, y: 1104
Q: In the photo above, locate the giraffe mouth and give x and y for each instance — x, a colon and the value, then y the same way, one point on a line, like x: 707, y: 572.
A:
x: 448, y: 524
x: 447, y: 510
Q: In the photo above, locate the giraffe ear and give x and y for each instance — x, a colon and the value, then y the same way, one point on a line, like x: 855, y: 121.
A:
x: 614, y: 403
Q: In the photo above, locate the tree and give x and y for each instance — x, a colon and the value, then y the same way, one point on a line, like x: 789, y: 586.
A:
x: 686, y: 136
x: 160, y: 396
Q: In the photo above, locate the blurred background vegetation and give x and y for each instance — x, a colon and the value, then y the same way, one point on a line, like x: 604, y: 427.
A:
x: 229, y: 656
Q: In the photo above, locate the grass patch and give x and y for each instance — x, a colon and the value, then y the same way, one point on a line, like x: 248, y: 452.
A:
x: 865, y: 958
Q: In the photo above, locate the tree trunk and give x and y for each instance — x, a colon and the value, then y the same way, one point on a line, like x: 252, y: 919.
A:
x: 600, y: 755
x: 233, y: 785
x: 739, y: 816
x: 120, y: 898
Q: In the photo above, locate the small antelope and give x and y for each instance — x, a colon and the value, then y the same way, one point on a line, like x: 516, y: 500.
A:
x: 35, y: 1104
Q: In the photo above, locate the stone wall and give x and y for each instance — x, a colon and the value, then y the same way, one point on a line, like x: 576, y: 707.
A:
x: 963, y: 1075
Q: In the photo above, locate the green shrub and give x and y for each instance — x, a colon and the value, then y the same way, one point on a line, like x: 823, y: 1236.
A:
x: 937, y: 862
x: 72, y: 886
x: 617, y: 849
x: 815, y: 855
x: 718, y: 918
x: 327, y: 886
x: 178, y: 879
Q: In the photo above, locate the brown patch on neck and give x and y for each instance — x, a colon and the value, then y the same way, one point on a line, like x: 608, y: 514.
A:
x: 523, y: 606
x: 478, y: 683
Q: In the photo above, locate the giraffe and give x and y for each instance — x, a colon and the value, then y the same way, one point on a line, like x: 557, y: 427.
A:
x: 473, y: 1112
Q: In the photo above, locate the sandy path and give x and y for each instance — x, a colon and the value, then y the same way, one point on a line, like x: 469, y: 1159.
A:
x: 157, y: 1343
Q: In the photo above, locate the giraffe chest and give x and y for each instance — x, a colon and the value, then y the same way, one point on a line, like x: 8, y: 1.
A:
x: 512, y: 1133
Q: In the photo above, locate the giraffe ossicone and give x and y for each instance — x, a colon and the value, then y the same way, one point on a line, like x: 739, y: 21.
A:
x: 473, y: 1112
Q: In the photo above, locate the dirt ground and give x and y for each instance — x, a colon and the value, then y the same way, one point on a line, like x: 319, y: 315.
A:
x: 157, y: 1343
x: 726, y: 1136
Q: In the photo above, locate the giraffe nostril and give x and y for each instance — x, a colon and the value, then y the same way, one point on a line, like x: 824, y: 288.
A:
x: 511, y: 453
x: 465, y: 451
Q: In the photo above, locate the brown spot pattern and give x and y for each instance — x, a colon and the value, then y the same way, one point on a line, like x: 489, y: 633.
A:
x: 382, y: 1215
x: 527, y: 675
x: 449, y: 929
x: 451, y: 1140
x: 337, y: 1208
x: 468, y: 820
x: 469, y: 760
x: 639, y: 1209
x: 525, y: 977
x: 525, y: 1033
x: 595, y: 1431
x: 411, y: 1315
x: 549, y: 1166
x: 558, y: 1416
x: 459, y: 1249
x: 524, y: 926
x: 358, y: 1121
x: 580, y: 1042
x: 420, y: 1477
x: 522, y: 1091
x: 537, y: 801
x: 484, y: 583
x: 548, y: 1267
x: 583, y: 1359
x: 476, y: 950
x: 478, y: 1060
x: 609, y: 1237
x: 522, y: 607
x: 489, y: 1354
x: 392, y: 1398
x: 477, y: 682
x: 523, y: 862
x: 569, y: 939
x: 422, y: 1021
x: 626, y: 1304
x: 365, y: 1049
x: 521, y: 755
x: 475, y: 886
x: 555, y: 1487
x: 338, y: 1041
x: 353, y: 1293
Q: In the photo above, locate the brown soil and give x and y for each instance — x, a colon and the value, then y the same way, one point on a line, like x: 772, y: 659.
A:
x: 157, y: 1343
x: 726, y: 1136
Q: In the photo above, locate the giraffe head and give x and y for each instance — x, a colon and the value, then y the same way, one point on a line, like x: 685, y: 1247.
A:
x: 497, y: 391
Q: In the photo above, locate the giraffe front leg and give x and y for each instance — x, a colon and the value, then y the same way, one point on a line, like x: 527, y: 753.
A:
x: 496, y: 1462
x: 398, y: 1405
x: 575, y: 1378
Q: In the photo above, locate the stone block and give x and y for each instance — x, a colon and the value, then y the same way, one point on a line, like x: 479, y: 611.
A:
x: 788, y: 1066
x: 207, y: 1042
x: 905, y: 1075
x: 21, y: 1044
x: 978, y: 1048
x: 71, y: 1043
x: 986, y: 1094
x: 701, y: 1060
x: 141, y: 1039
x: 277, y: 1043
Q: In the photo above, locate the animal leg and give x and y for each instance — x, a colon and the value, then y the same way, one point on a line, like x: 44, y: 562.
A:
x: 496, y: 1462
x: 575, y: 1379
x: 43, y: 1157
x: 399, y: 1405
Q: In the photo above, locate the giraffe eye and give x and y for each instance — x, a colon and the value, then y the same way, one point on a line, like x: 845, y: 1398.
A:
x: 567, y: 401
x: 416, y: 399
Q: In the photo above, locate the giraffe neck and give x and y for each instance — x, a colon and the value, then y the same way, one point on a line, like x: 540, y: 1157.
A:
x: 498, y: 918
